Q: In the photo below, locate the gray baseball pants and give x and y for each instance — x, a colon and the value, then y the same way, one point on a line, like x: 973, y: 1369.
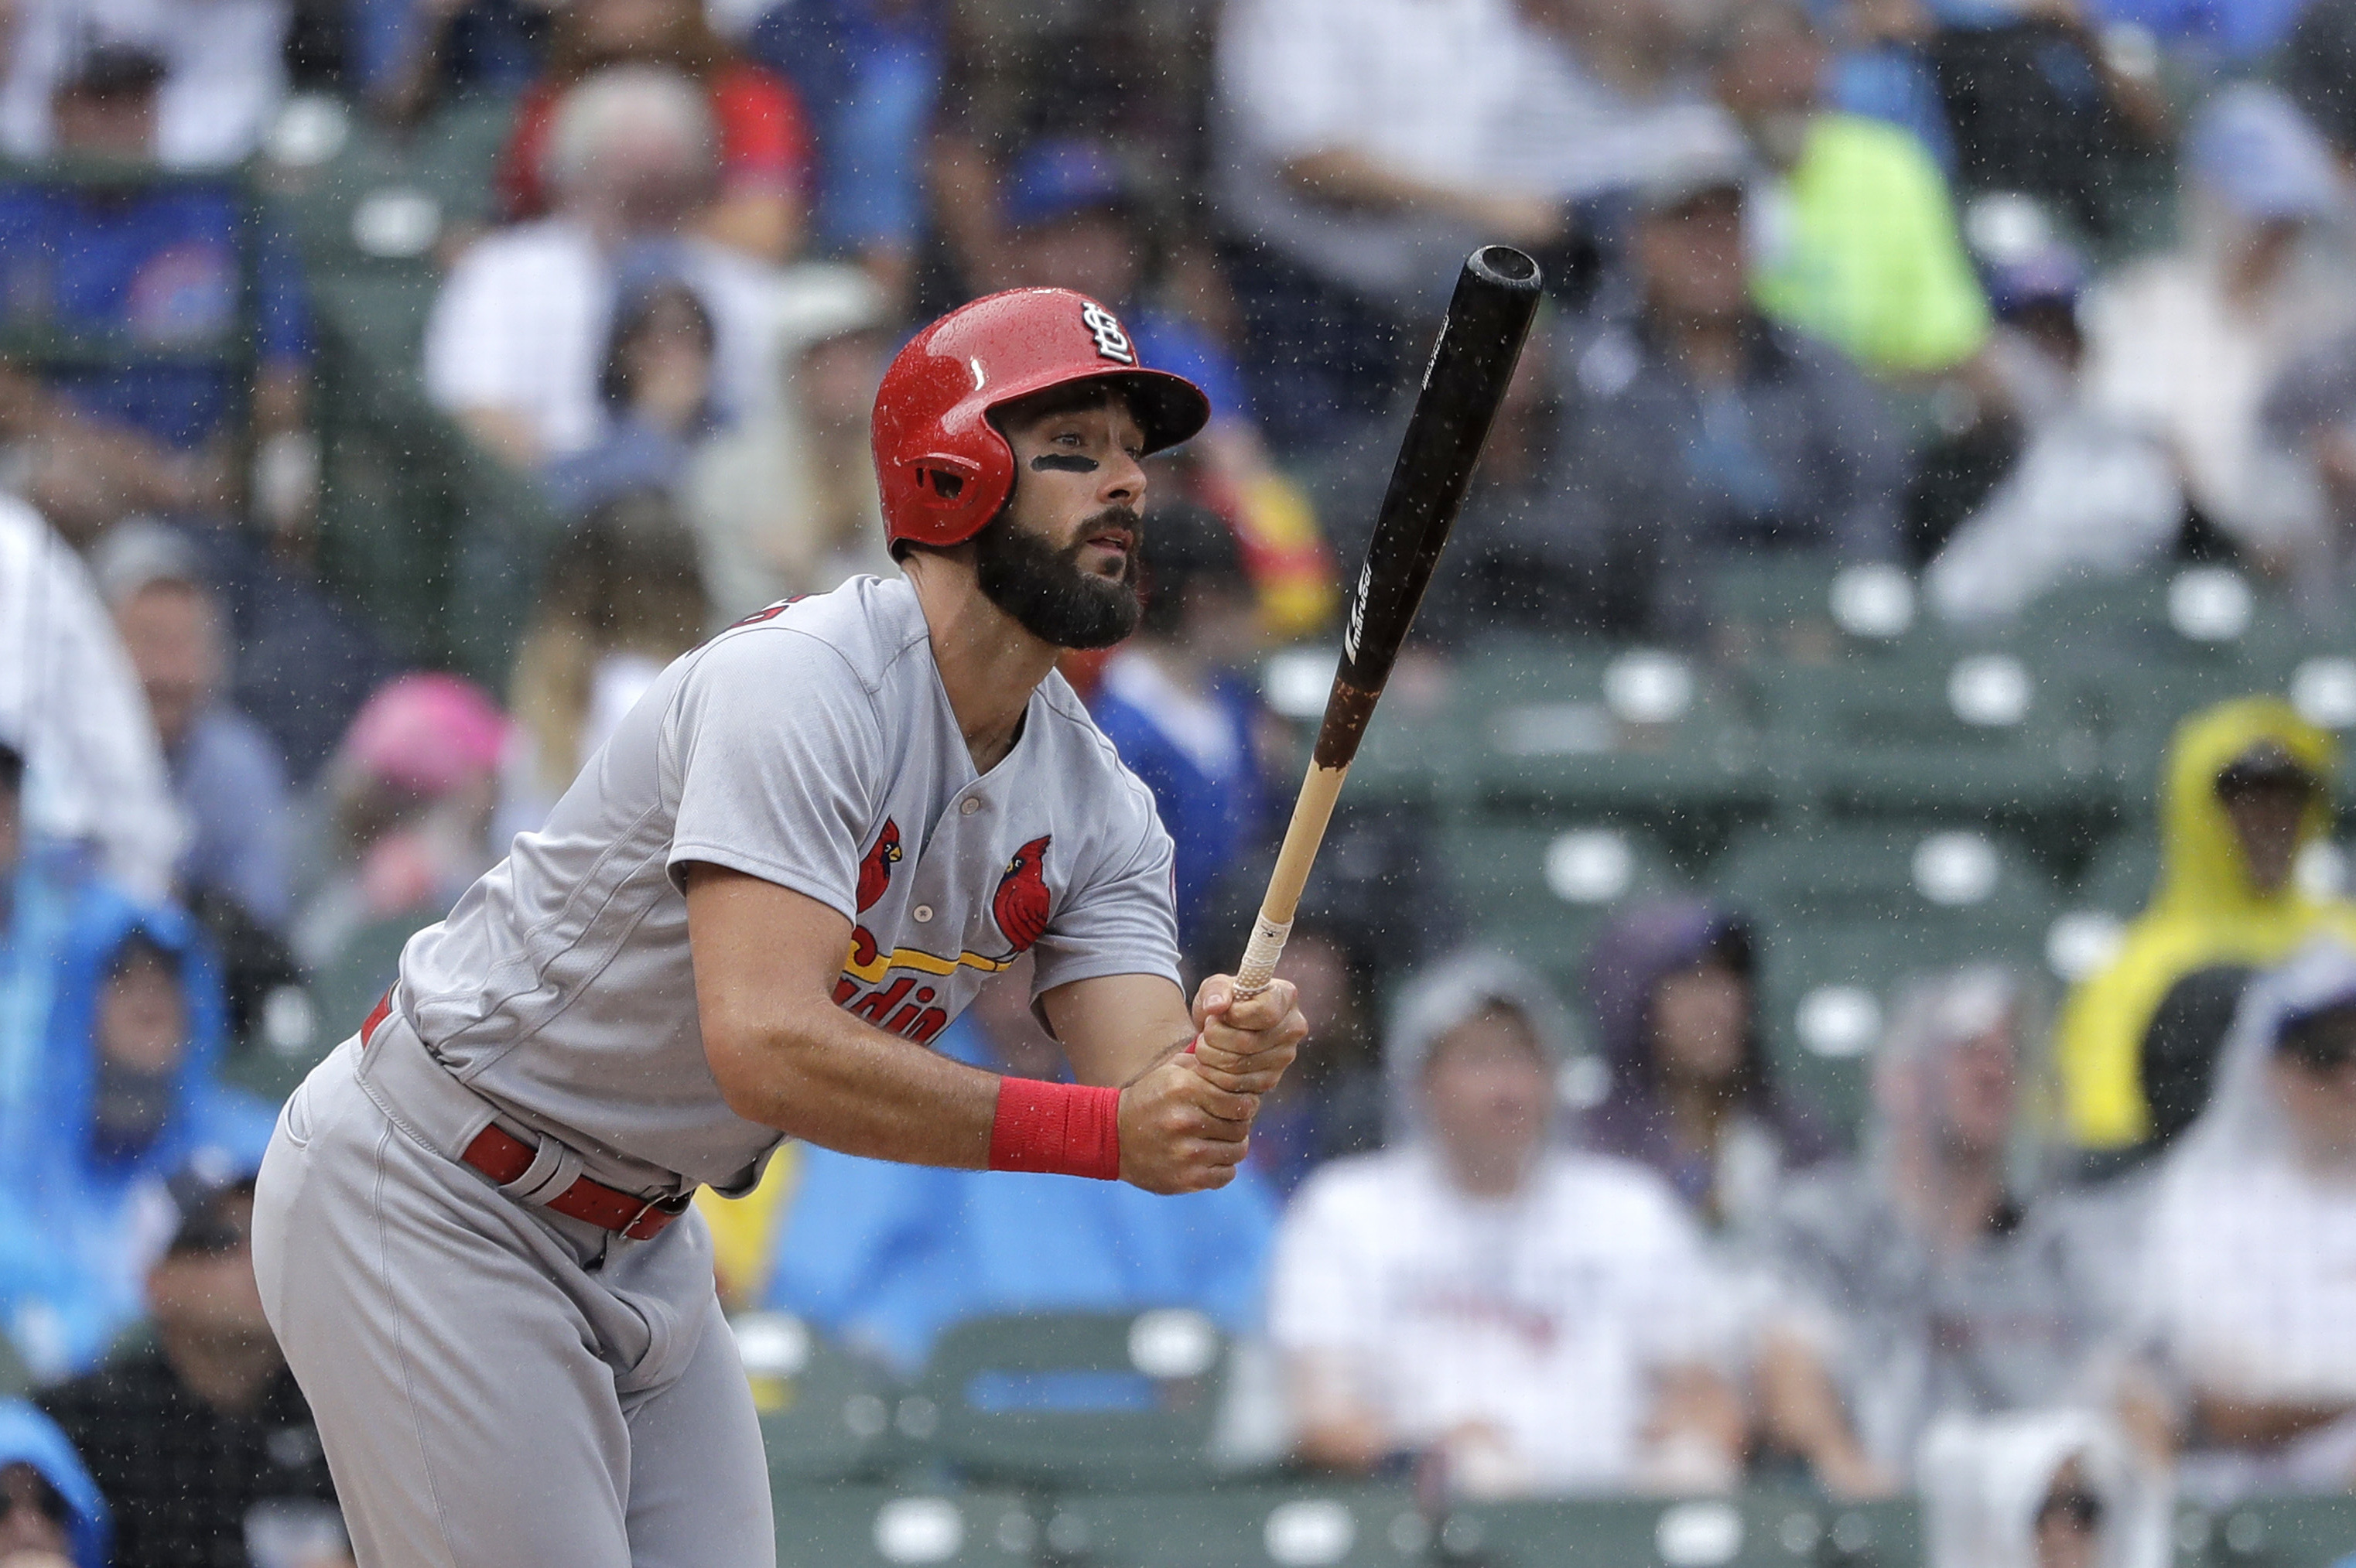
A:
x: 497, y: 1386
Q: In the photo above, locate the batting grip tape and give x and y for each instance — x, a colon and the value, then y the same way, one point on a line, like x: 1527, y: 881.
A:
x: 1259, y: 966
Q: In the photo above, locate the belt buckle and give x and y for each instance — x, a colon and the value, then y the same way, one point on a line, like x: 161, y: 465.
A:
x: 629, y: 1231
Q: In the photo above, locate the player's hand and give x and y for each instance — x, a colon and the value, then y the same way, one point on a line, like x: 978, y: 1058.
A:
x: 1180, y: 1132
x: 1247, y: 1045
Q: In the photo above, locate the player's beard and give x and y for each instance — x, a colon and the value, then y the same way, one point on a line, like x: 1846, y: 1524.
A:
x: 1044, y: 588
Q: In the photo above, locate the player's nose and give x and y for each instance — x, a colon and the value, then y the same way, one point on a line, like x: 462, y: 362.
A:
x: 1123, y: 482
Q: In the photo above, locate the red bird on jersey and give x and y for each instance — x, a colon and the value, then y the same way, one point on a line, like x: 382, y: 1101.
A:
x: 876, y: 872
x: 1019, y: 905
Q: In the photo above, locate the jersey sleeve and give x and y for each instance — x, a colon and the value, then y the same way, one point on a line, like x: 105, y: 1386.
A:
x: 1123, y: 919
x: 776, y: 743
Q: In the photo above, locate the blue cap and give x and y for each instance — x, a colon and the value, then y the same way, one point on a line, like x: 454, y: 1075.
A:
x: 2254, y: 149
x: 1065, y: 174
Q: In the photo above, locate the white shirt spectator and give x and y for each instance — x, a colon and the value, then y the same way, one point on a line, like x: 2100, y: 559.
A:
x: 1461, y: 94
x: 2255, y: 1280
x: 520, y: 327
x: 224, y: 60
x: 1544, y: 1316
x: 70, y: 702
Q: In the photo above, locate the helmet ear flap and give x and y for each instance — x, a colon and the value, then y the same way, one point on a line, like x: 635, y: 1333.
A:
x: 942, y: 479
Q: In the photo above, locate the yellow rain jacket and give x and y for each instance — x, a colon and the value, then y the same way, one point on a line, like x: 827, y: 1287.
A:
x: 2205, y: 914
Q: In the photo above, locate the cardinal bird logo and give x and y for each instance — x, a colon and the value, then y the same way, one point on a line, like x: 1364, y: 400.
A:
x: 1019, y: 905
x: 876, y: 872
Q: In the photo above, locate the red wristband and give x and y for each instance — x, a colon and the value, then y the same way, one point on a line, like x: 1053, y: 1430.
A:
x: 1064, y: 1129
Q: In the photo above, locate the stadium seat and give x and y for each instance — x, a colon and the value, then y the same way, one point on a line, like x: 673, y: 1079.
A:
x: 1304, y: 1526
x: 1986, y: 736
x: 1848, y: 915
x: 1641, y: 736
x: 1078, y: 1399
x: 1760, y: 1530
x: 1541, y: 892
x: 2269, y: 1532
x: 846, y: 1527
x: 825, y: 1414
x: 1804, y: 607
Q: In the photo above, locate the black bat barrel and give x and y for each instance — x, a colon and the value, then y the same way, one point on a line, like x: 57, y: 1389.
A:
x: 1464, y: 381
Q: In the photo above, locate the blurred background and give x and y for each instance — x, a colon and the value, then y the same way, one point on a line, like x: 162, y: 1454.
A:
x: 1834, y: 984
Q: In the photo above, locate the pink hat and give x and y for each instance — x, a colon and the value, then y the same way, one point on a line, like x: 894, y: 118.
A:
x: 427, y: 733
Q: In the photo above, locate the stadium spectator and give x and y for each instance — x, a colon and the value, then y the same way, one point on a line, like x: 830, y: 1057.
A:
x: 1516, y: 561
x: 761, y: 148
x: 1693, y: 428
x: 2247, y: 788
x: 1074, y: 219
x: 517, y: 345
x: 2074, y: 491
x: 785, y: 502
x: 54, y: 1515
x: 1920, y: 1280
x: 218, y: 72
x: 1329, y: 1105
x: 2249, y: 1289
x: 169, y: 268
x: 412, y: 791
x: 2186, y: 344
x: 1175, y: 700
x: 655, y: 390
x: 1670, y: 991
x: 125, y: 1097
x: 619, y: 598
x: 1017, y: 73
x: 226, y: 776
x: 1855, y: 233
x: 869, y: 72
x: 197, y: 1436
x: 1455, y: 1294
x: 2056, y: 1488
x: 407, y: 56
x: 70, y: 705
x: 1366, y: 148
x: 887, y: 1256
x: 2309, y: 416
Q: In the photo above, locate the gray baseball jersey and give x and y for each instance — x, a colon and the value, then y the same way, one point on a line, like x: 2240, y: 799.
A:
x: 811, y: 745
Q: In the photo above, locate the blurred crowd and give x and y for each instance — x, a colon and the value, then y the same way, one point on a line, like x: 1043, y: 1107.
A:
x: 2010, y: 295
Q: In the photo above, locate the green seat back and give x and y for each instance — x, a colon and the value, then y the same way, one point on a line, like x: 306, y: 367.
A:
x: 825, y: 1414
x: 1759, y: 1530
x: 1079, y: 1399
x: 2267, y: 1532
x: 1304, y: 1526
x: 1543, y: 892
x: 849, y: 1526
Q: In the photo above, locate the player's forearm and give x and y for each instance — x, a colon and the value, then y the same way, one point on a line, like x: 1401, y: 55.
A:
x: 832, y: 1079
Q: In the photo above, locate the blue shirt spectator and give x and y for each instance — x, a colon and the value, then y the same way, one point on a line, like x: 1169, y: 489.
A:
x: 227, y: 777
x: 164, y: 268
x: 887, y: 1256
x: 124, y: 1097
x: 1173, y: 707
x: 869, y: 72
x: 72, y: 1514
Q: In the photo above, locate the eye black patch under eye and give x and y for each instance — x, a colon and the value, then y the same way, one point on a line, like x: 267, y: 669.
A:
x: 1063, y: 463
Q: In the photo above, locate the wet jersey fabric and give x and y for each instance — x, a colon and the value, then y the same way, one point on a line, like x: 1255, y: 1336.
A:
x: 810, y: 745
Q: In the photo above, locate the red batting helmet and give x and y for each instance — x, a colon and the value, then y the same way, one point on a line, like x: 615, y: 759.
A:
x: 942, y: 467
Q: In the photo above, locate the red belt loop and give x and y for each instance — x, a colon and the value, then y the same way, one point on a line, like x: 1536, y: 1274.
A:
x: 376, y: 1015
x: 501, y: 1156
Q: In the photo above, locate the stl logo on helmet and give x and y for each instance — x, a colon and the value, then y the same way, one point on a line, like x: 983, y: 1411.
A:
x: 1112, y: 343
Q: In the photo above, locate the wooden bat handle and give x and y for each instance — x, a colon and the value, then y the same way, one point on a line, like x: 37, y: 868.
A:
x: 1312, y: 811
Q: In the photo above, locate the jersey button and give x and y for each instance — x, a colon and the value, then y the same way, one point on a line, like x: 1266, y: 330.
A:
x: 973, y: 804
x: 923, y: 912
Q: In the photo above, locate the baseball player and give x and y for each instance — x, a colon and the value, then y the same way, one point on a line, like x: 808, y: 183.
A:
x: 801, y: 854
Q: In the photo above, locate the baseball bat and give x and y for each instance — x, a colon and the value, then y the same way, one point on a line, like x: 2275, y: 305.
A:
x: 1479, y: 342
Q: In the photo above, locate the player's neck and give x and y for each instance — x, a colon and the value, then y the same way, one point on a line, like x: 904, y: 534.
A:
x: 989, y: 665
